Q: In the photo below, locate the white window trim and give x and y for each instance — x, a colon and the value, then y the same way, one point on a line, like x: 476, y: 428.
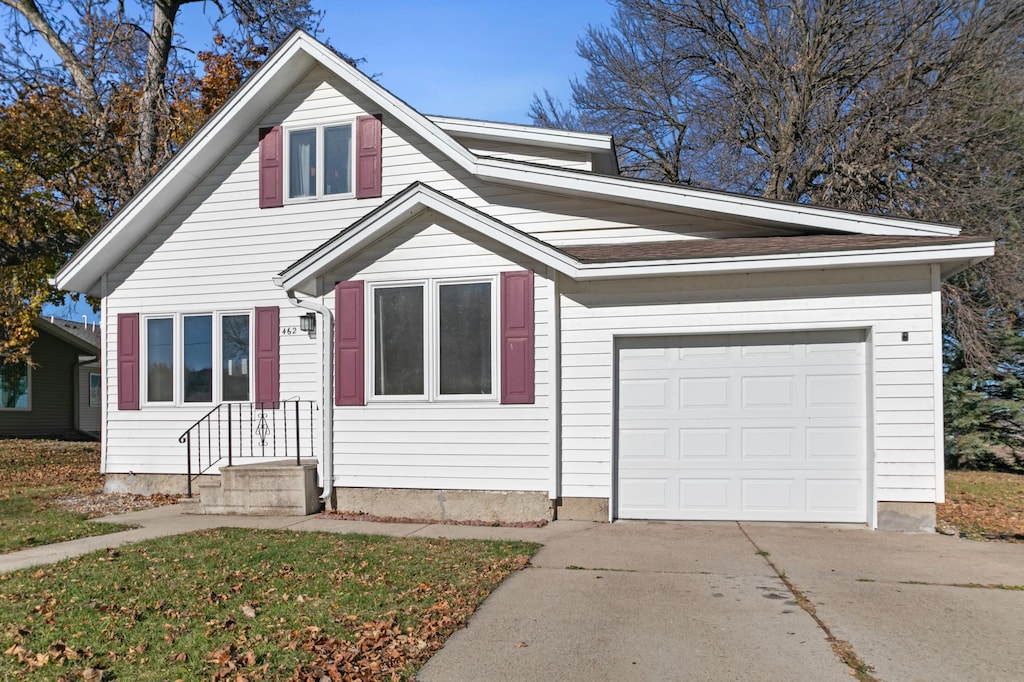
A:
x: 178, y: 357
x: 144, y: 360
x: 431, y: 335
x: 28, y: 394
x: 318, y: 194
x: 99, y: 381
x: 435, y: 321
x: 370, y: 348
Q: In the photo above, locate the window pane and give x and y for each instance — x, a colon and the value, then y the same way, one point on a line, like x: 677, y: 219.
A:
x: 235, y: 357
x: 337, y: 148
x: 398, y: 341
x: 159, y: 360
x: 14, y: 386
x: 465, y: 338
x: 198, y: 340
x: 302, y: 163
x: 94, y: 390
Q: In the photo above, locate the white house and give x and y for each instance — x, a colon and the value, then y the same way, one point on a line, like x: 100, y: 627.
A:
x: 505, y: 328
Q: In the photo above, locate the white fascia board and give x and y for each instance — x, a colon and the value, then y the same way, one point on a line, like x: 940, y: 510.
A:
x: 542, y: 137
x: 391, y: 105
x: 956, y: 256
x: 390, y: 217
x: 216, y: 137
x: 686, y: 199
x: 184, y: 170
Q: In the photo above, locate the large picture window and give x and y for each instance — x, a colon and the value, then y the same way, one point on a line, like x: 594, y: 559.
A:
x: 182, y: 352
x: 319, y: 161
x: 14, y: 386
x: 433, y: 346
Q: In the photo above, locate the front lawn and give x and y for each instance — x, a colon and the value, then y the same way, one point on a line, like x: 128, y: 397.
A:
x: 233, y: 604
x: 983, y: 505
x: 33, y: 474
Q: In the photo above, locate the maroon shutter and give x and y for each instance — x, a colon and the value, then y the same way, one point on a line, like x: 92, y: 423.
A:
x: 517, y: 338
x: 271, y: 167
x: 128, y: 361
x: 349, y: 386
x: 368, y: 157
x: 268, y: 355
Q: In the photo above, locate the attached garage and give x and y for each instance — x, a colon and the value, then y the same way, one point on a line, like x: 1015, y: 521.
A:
x: 745, y: 427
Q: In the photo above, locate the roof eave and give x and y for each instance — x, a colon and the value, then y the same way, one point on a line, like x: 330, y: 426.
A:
x: 952, y: 259
x: 687, y: 199
x: 243, y: 110
x: 414, y: 200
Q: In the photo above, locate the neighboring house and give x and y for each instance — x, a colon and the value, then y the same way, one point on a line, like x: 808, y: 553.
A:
x: 503, y: 322
x: 57, y: 392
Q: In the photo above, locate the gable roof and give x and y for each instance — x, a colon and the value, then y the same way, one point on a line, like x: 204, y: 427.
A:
x: 640, y: 259
x: 300, y: 52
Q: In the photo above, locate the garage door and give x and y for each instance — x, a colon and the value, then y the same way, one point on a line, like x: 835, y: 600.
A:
x: 745, y: 427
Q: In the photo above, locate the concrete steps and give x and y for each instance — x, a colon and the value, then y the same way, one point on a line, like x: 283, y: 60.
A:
x: 279, y: 488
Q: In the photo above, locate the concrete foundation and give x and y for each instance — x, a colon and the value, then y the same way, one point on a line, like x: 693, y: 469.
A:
x: 582, y: 509
x: 906, y: 517
x: 262, y: 489
x: 446, y: 505
x: 147, y: 484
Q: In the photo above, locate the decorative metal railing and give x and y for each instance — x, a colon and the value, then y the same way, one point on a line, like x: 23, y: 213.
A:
x: 242, y: 430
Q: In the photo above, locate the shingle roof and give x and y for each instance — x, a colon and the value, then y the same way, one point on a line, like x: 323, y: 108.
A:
x: 90, y: 333
x: 682, y: 249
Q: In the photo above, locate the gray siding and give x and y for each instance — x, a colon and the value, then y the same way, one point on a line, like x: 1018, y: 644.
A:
x: 51, y: 392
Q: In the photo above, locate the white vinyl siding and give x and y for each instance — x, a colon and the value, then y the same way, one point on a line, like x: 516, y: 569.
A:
x: 472, y: 443
x: 560, y: 158
x: 217, y: 250
x: 885, y: 302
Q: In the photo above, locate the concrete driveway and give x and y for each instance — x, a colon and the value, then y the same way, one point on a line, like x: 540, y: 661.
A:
x: 701, y: 601
x: 721, y: 601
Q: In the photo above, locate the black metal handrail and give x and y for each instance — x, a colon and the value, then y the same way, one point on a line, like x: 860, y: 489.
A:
x: 256, y: 429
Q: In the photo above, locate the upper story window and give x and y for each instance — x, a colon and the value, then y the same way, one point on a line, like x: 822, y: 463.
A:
x: 320, y: 161
x: 14, y: 386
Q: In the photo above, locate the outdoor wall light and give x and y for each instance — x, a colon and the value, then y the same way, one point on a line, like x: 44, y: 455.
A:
x: 307, y: 323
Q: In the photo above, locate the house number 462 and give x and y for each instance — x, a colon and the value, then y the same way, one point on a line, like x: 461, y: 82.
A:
x: 289, y: 331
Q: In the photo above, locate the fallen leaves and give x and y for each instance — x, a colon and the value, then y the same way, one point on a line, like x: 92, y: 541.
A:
x: 238, y: 605
x: 983, y: 504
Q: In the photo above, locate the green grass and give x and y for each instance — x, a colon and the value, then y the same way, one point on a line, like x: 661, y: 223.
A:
x: 33, y: 473
x: 262, y: 604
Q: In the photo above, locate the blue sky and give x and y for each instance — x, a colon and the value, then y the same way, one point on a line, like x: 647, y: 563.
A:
x: 481, y: 59
x: 475, y: 59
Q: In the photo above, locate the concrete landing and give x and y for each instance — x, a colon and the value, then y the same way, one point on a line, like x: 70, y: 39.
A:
x: 278, y: 488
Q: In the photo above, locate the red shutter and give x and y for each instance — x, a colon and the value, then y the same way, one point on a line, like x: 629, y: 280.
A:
x: 349, y: 386
x: 368, y: 157
x: 268, y: 355
x: 271, y: 167
x: 128, y: 361
x: 517, y: 381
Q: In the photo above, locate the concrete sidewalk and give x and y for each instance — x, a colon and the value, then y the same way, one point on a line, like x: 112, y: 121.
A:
x: 687, y: 600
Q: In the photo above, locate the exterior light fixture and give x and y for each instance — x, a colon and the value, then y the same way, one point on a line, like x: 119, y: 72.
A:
x: 307, y: 323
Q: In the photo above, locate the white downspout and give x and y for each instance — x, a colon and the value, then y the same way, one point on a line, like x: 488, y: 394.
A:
x: 326, y: 331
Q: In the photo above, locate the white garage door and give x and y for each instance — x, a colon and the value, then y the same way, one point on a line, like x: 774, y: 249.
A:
x: 745, y: 427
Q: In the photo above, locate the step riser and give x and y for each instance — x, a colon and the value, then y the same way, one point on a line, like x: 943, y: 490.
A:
x: 275, y: 489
